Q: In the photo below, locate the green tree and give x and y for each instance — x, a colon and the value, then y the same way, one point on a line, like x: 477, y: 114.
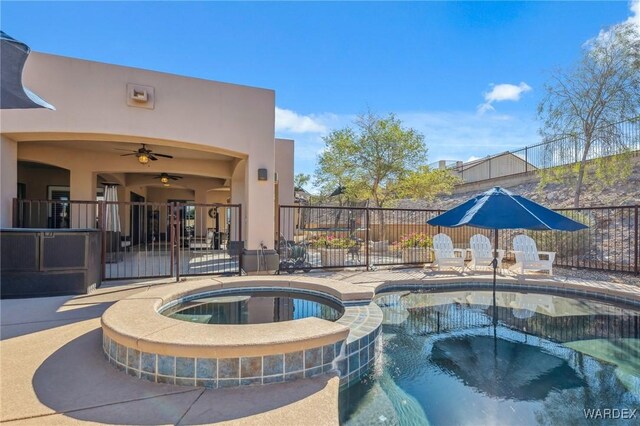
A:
x: 583, y: 104
x: 300, y: 180
x: 425, y: 183
x: 379, y: 160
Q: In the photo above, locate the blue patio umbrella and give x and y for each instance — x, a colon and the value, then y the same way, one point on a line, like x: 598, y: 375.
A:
x: 13, y: 95
x: 497, y: 209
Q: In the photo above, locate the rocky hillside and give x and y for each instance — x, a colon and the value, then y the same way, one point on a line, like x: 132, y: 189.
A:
x: 554, y: 195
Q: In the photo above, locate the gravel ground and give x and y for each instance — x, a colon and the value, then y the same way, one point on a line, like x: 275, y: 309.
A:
x: 588, y: 274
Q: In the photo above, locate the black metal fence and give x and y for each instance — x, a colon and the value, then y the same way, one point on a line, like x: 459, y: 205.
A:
x: 616, y: 139
x: 314, y: 237
x: 146, y: 239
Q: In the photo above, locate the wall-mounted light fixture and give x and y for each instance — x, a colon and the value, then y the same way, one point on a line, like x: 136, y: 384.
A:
x: 262, y: 174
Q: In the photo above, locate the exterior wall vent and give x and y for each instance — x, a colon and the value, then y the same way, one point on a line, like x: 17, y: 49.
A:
x: 140, y: 96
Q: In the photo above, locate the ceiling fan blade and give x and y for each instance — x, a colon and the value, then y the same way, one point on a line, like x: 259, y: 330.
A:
x: 152, y: 158
x: 122, y: 149
x: 175, y: 177
x: 124, y: 155
x: 163, y: 155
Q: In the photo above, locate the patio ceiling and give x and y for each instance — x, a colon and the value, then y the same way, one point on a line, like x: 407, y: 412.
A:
x: 114, y: 147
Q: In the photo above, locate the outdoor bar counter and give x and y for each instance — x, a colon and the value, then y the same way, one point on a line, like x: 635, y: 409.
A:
x: 49, y: 262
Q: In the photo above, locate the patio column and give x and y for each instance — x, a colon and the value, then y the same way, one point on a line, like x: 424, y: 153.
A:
x: 8, y: 180
x: 82, y: 187
x: 257, y: 199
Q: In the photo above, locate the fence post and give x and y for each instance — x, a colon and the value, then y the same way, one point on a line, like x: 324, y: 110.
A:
x: 366, y: 239
x: 636, y: 245
x: 279, y: 234
x: 14, y: 219
x: 171, y: 239
x: 103, y: 232
x: 241, y: 248
x: 526, y: 159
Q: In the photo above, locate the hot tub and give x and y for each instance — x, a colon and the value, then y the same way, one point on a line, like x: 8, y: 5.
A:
x: 141, y: 338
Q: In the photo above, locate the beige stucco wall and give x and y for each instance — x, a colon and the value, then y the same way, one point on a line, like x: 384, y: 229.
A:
x: 8, y: 178
x: 503, y: 165
x: 91, y: 106
x: 284, y: 167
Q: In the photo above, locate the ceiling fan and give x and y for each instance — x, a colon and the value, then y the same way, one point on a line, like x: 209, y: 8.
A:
x: 144, y: 154
x: 166, y: 177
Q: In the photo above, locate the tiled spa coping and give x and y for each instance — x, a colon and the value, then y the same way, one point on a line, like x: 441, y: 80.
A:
x: 145, y: 344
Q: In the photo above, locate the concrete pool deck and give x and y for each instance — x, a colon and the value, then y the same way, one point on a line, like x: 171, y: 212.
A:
x: 52, y: 370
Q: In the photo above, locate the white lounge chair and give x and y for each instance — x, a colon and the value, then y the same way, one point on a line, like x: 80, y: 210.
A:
x: 482, y: 252
x: 445, y: 254
x: 528, y: 256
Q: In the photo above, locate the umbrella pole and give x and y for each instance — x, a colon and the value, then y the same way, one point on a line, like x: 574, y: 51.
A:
x: 495, y: 268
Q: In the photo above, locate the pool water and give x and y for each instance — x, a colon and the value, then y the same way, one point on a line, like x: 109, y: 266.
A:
x: 544, y: 360
x: 254, y: 308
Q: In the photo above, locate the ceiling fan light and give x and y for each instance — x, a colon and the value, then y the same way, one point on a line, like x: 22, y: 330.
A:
x: 164, y: 179
x: 143, y: 158
x: 166, y: 184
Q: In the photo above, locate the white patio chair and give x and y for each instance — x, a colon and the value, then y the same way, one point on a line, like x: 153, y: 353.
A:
x: 528, y: 256
x: 200, y: 243
x: 445, y: 254
x: 482, y: 252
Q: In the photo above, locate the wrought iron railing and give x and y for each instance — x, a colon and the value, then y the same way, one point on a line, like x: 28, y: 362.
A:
x: 616, y: 139
x: 342, y: 237
x: 147, y: 239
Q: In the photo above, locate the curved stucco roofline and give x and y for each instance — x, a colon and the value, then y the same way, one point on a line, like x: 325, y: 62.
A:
x: 127, y: 67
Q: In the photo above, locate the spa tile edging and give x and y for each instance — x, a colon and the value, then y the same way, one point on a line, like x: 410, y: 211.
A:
x: 216, y: 373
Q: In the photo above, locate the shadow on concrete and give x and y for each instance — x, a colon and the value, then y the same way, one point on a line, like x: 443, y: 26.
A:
x: 78, y: 382
x: 19, y: 317
x: 239, y: 403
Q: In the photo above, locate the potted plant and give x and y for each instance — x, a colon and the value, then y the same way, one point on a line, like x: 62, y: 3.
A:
x: 333, y: 250
x: 415, y: 247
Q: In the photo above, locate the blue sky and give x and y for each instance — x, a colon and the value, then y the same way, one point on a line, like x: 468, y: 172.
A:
x: 467, y: 75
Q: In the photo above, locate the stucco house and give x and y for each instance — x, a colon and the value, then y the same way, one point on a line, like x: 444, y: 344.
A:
x: 131, y: 128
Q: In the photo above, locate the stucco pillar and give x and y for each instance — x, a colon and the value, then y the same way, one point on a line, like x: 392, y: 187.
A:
x: 260, y: 255
x: 9, y: 179
x: 286, y: 192
x: 238, y: 196
x: 82, y: 187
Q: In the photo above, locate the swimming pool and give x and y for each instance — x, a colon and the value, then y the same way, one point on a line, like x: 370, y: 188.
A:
x: 540, y: 359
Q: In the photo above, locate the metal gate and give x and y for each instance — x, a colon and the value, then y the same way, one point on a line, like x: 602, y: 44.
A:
x: 146, y: 239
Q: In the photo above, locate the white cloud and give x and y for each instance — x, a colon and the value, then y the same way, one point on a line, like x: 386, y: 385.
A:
x: 634, y: 20
x: 292, y: 122
x: 635, y: 10
x: 502, y: 92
